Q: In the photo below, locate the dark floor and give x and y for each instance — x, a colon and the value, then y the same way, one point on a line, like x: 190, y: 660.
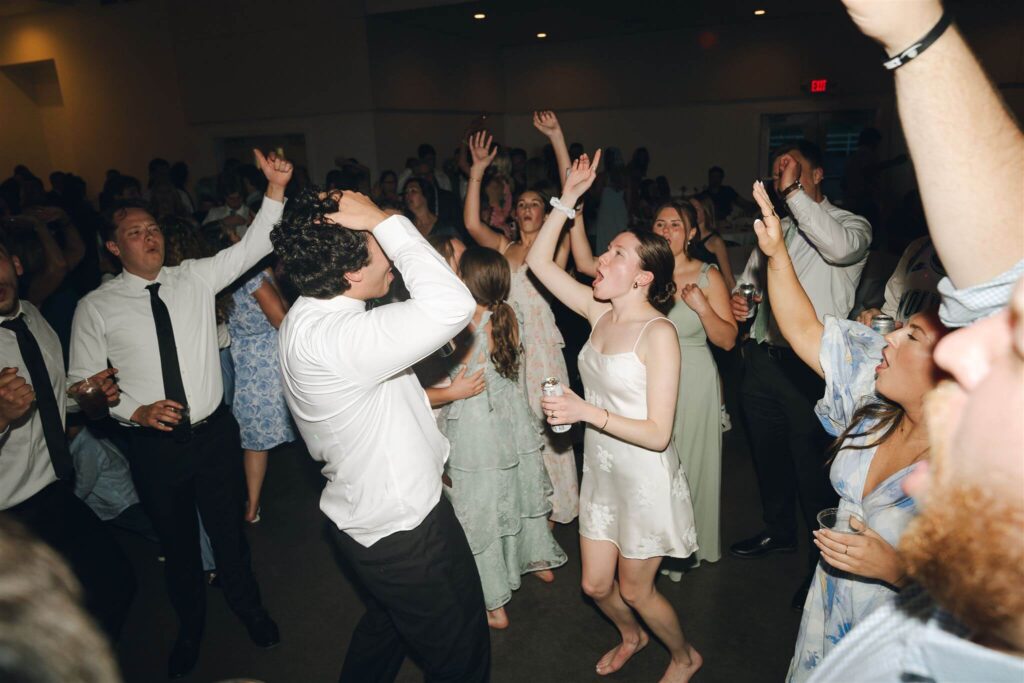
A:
x: 736, y: 612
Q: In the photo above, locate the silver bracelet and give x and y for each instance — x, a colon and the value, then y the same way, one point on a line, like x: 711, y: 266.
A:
x: 567, y: 210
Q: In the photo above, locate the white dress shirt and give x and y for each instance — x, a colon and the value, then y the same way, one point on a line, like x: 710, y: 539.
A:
x: 914, y: 285
x: 828, y: 250
x: 349, y: 382
x: 115, y: 322
x: 25, y: 467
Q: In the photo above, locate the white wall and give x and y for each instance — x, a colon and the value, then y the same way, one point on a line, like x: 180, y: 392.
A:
x: 169, y: 77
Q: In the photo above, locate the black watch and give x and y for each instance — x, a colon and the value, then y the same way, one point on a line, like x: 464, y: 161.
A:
x: 786, y: 191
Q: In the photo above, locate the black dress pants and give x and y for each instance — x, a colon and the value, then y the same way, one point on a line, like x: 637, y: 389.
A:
x: 787, y: 442
x: 67, y: 524
x: 172, y: 479
x: 425, y: 600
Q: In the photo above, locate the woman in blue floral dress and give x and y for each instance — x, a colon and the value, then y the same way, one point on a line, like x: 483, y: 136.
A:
x: 258, y: 404
x: 874, y: 389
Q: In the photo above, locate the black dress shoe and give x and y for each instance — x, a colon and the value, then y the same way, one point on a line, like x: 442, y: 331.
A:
x: 183, y: 657
x: 762, y: 544
x: 263, y: 631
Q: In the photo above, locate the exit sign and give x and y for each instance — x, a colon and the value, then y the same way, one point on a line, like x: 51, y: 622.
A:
x: 819, y: 85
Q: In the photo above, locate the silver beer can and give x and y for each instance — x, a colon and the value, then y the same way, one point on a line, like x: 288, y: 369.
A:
x: 749, y: 291
x: 883, y: 324
x: 552, y: 387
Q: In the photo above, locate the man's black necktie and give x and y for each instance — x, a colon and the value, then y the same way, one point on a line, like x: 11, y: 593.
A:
x: 46, y: 402
x: 174, y: 389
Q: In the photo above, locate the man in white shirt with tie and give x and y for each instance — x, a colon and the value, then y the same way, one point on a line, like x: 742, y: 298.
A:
x: 829, y: 248
x: 349, y: 382
x: 158, y: 327
x: 36, y: 468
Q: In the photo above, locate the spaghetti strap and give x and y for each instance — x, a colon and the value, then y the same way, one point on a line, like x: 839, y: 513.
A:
x: 644, y: 329
x: 505, y: 248
x: 594, y: 326
x: 703, y: 280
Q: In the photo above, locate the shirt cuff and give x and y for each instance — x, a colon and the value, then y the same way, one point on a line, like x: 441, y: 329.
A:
x: 124, y: 410
x: 798, y: 200
x: 961, y: 307
x: 393, y: 233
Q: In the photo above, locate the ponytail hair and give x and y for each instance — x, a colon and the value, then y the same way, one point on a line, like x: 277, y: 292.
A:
x: 505, y: 334
x: 657, y: 259
x: 488, y: 277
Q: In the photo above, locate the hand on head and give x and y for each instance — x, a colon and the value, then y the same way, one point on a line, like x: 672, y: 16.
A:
x: 789, y: 172
x: 356, y: 211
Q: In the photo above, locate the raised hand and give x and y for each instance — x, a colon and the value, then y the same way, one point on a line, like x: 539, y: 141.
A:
x: 768, y: 228
x: 789, y: 172
x: 481, y: 151
x: 547, y: 123
x: 356, y: 211
x: 694, y: 297
x: 896, y: 25
x: 277, y: 170
x: 16, y: 396
x: 581, y: 177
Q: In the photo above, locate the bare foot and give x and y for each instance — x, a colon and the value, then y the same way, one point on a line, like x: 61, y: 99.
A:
x: 681, y: 672
x: 617, y: 657
x: 497, y: 619
x: 545, y: 575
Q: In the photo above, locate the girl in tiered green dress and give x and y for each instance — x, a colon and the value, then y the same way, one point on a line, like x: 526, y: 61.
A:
x: 499, y: 487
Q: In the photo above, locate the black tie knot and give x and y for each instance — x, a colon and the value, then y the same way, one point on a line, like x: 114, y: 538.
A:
x: 16, y: 323
x: 154, y: 289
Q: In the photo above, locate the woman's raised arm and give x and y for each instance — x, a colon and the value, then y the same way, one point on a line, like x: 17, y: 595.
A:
x: 541, y: 258
x: 482, y: 154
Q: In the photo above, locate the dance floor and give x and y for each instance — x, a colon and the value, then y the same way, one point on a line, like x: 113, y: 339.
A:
x: 736, y: 611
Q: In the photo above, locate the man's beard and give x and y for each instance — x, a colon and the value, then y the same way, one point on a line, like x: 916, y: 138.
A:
x: 967, y: 546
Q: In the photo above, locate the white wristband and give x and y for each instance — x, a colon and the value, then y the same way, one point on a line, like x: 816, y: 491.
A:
x: 568, y: 211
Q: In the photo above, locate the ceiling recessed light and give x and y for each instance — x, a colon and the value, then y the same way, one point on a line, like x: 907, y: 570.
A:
x: 479, y: 15
x: 542, y: 35
x: 760, y: 12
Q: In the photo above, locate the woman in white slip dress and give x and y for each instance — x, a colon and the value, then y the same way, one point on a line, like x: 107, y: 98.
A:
x: 634, y: 502
x: 542, y: 340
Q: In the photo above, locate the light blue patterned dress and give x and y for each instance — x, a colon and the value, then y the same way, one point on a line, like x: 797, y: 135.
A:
x: 837, y: 601
x: 258, y: 403
x: 500, y: 488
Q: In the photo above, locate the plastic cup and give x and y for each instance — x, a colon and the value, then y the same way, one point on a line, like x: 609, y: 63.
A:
x: 92, y: 399
x: 841, y: 521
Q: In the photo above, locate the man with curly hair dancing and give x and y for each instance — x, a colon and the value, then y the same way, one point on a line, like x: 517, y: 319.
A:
x: 349, y: 383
